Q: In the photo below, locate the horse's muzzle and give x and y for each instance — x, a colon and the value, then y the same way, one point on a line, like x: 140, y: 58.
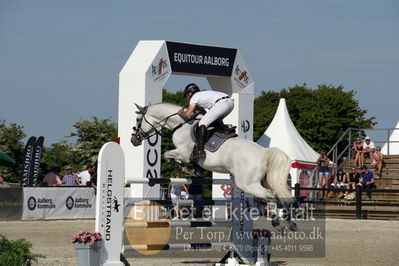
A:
x: 136, y: 140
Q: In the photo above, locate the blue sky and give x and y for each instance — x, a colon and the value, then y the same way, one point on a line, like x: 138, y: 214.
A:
x: 64, y: 57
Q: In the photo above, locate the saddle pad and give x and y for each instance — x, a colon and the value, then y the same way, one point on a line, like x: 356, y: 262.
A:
x: 216, y: 140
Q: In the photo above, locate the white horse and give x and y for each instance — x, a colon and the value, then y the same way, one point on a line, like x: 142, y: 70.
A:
x: 259, y: 171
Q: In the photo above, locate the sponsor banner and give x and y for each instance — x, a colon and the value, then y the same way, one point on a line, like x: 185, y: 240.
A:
x: 35, y: 163
x: 160, y: 69
x: 109, y: 209
x: 246, y: 116
x: 241, y: 77
x: 58, y: 203
x: 201, y: 59
x: 30, y: 145
x: 10, y: 203
x: 243, y: 203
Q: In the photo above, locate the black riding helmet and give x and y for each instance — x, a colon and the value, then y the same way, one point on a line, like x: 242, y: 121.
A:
x: 192, y: 87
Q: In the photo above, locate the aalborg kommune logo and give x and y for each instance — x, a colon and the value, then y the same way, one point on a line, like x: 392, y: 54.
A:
x: 69, y: 203
x: 32, y: 203
x: 160, y: 69
x: 78, y: 202
x: 241, y: 76
x: 40, y: 203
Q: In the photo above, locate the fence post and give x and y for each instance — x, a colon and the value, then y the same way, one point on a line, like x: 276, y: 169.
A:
x: 350, y: 146
x: 297, y: 190
x: 359, y: 190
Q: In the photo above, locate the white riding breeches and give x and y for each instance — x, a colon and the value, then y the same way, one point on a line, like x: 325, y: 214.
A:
x: 218, y: 111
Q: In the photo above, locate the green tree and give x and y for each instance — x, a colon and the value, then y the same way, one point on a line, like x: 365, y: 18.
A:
x: 11, y: 143
x: 90, y: 136
x: 321, y: 115
x: 58, y: 155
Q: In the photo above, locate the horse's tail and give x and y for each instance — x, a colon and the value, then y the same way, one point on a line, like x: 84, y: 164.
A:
x: 278, y: 167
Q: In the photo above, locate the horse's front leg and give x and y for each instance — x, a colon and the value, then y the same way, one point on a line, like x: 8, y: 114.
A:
x: 175, y: 158
x: 173, y: 155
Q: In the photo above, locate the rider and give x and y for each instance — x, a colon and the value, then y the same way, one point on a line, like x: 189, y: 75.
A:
x: 218, y: 104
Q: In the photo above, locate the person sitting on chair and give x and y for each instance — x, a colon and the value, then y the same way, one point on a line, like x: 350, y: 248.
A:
x: 218, y: 105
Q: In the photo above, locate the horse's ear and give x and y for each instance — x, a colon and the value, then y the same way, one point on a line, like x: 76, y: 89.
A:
x: 141, y: 109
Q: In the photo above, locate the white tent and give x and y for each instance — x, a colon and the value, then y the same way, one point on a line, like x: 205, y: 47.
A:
x: 394, y: 146
x: 282, y: 134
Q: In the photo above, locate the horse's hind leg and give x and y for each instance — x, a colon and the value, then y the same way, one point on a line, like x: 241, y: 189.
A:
x: 249, y: 179
x: 253, y: 186
x: 257, y: 190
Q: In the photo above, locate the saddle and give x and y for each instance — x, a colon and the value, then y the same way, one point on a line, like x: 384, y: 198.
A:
x: 217, y: 134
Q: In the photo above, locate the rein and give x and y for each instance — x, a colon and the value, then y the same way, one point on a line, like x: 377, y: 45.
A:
x: 193, y: 117
x: 143, y: 135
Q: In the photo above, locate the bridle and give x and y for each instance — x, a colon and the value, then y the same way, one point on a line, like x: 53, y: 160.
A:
x: 141, y: 135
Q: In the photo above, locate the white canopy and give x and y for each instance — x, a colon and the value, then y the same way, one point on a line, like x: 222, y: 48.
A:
x: 393, y: 147
x: 282, y: 134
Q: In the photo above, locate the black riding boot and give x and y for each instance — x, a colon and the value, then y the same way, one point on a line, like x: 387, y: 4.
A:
x: 198, y: 151
x: 221, y: 127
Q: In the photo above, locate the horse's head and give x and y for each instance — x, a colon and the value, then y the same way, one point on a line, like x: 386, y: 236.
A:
x: 151, y: 119
x: 143, y: 128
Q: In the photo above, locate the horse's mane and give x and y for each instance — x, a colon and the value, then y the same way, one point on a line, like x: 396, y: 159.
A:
x: 167, y: 104
x: 173, y: 106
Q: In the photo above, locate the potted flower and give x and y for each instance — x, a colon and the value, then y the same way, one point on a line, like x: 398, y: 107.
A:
x: 87, y: 247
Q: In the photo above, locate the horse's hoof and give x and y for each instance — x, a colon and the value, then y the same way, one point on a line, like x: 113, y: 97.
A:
x: 196, y: 173
x: 293, y: 227
x: 275, y: 223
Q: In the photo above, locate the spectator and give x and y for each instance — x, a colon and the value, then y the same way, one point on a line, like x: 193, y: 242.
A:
x: 367, y: 180
x: 52, y: 179
x: 323, y: 162
x: 93, y: 182
x: 377, y: 160
x: 3, y: 184
x: 196, y: 191
x: 354, y: 178
x: 340, y: 181
x: 368, y: 147
x: 263, y: 206
x: 227, y: 192
x: 85, y: 176
x: 174, y: 191
x: 70, y: 179
x: 359, y: 155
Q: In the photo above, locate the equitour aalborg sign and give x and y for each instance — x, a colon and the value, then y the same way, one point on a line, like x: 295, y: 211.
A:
x: 201, y: 59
